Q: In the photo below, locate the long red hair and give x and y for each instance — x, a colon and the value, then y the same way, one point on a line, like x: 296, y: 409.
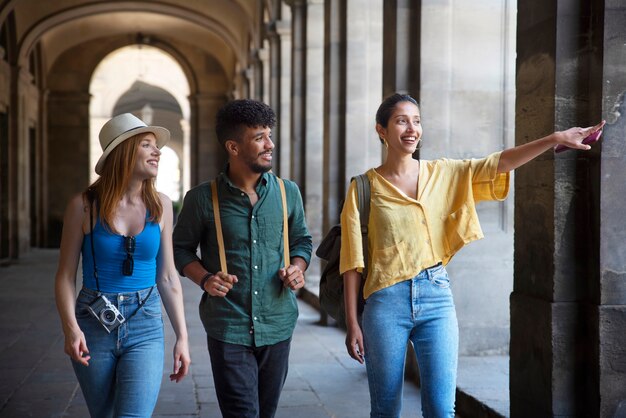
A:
x: 113, y: 182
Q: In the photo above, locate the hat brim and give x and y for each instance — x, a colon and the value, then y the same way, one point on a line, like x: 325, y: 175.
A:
x: 162, y: 137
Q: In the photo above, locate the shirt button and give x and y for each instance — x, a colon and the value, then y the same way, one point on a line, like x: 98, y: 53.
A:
x: 254, y: 241
x: 242, y: 194
x: 256, y: 293
x: 256, y: 267
x: 121, y: 297
x: 254, y: 318
x: 428, y: 241
x: 251, y: 331
x: 252, y: 216
x: 423, y: 221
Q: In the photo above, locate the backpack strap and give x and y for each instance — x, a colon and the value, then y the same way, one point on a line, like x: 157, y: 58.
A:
x: 220, y: 235
x: 283, y: 196
x: 218, y: 227
x: 363, y: 189
x: 363, y: 193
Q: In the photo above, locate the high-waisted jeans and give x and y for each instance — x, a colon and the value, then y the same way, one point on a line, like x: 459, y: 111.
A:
x: 420, y: 310
x: 126, y: 366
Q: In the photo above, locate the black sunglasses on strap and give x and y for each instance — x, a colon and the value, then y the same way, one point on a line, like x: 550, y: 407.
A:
x: 129, y: 264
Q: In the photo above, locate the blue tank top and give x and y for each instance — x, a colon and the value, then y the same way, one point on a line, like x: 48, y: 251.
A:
x: 110, y: 255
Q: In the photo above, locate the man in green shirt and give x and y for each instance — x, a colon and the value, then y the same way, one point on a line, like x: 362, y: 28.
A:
x: 250, y: 312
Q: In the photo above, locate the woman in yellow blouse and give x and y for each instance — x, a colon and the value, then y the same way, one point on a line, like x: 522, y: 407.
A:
x: 422, y: 212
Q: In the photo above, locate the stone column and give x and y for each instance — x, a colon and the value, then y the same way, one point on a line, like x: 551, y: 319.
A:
x: 611, y: 317
x: 279, y: 34
x: 27, y: 156
x: 352, y: 93
x: 68, y: 154
x: 401, y: 37
x: 307, y: 117
x: 568, y: 304
x: 334, y: 110
x: 207, y: 155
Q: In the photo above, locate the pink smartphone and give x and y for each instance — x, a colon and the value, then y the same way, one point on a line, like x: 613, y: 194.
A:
x: 587, y: 141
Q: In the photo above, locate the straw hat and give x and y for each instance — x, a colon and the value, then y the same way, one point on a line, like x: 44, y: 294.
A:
x: 122, y: 127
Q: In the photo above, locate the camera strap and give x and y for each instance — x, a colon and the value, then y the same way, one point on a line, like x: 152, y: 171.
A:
x: 93, y: 256
x: 93, y: 252
x: 141, y: 303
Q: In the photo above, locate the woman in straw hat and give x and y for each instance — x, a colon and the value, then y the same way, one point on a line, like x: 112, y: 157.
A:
x: 122, y: 227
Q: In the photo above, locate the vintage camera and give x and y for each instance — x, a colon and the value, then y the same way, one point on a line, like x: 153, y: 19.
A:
x: 106, y: 313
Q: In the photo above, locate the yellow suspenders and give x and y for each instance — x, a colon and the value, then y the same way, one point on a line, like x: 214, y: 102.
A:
x: 218, y: 225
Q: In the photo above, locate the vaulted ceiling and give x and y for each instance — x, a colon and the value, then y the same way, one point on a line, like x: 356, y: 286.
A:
x: 226, y: 30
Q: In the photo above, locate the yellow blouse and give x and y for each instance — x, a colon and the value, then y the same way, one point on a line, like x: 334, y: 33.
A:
x: 407, y: 235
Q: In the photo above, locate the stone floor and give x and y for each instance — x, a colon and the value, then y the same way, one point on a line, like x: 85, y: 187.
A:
x: 36, y: 379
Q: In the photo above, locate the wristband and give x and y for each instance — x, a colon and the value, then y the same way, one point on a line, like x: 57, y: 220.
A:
x: 204, y: 279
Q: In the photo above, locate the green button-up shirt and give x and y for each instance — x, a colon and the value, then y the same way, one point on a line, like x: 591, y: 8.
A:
x: 258, y: 310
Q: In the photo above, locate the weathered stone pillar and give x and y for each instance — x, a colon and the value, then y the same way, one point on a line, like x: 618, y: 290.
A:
x: 68, y: 154
x: 307, y: 119
x: 6, y: 240
x: 280, y: 46
x: 334, y: 109
x: 401, y: 37
x: 611, y: 349
x: 207, y: 155
x: 27, y: 157
x: 352, y: 93
x: 568, y: 305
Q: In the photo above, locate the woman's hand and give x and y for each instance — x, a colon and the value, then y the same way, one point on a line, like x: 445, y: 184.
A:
x: 76, y: 347
x: 181, y: 360
x: 575, y: 137
x: 512, y: 158
x: 354, y: 343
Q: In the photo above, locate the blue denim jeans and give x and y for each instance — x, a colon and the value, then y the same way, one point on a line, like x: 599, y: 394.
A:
x: 248, y: 380
x: 420, y: 310
x: 126, y: 366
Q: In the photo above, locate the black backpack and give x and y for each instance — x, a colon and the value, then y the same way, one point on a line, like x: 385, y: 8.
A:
x: 331, y: 282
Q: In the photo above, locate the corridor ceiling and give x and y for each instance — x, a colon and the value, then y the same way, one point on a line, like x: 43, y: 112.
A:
x: 224, y: 29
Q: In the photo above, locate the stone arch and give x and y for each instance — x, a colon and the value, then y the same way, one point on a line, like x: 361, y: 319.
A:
x: 68, y: 120
x: 164, y: 111
x: 208, y: 23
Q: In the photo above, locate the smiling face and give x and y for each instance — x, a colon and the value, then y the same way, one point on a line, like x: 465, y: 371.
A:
x: 404, y: 129
x: 147, y: 157
x: 254, y: 149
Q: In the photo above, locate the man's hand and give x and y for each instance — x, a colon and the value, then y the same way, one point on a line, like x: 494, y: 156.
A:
x: 292, y: 277
x: 220, y: 284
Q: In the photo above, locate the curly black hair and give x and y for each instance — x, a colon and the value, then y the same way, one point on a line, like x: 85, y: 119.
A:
x: 237, y: 114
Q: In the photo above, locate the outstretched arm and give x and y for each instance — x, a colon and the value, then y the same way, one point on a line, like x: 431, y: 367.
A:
x: 513, y: 158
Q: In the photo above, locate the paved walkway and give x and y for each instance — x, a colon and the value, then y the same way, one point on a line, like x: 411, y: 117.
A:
x: 36, y: 379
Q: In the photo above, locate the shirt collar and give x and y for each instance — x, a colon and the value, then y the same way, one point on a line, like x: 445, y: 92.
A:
x: 224, y: 174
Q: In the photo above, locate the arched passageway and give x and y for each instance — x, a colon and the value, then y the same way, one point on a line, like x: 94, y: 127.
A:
x: 149, y: 83
x: 488, y: 76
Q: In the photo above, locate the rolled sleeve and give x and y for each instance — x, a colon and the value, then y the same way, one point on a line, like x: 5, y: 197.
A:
x: 351, y: 256
x: 487, y: 183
